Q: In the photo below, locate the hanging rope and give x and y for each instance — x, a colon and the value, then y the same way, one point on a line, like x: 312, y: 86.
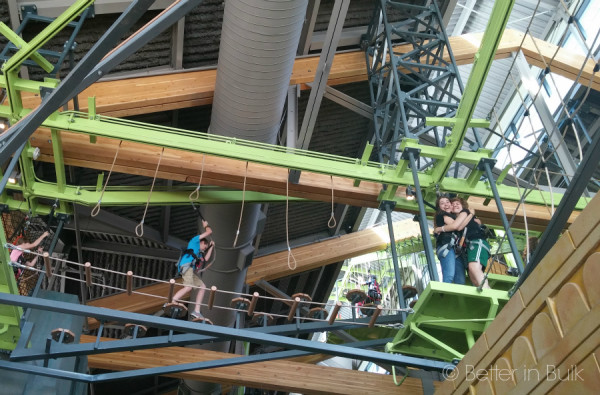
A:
x: 96, y: 208
x: 139, y: 230
x: 237, y: 233
x: 403, y: 378
x: 332, y: 218
x: 196, y: 191
x: 290, y: 257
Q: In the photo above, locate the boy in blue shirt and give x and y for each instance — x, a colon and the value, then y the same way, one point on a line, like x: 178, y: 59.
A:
x: 191, y: 265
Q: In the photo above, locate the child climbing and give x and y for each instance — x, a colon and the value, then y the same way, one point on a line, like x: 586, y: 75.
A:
x: 192, y: 264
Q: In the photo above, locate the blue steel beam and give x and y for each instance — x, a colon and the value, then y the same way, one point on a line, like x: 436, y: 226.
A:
x: 158, y: 371
x: 221, y: 332
x: 69, y: 350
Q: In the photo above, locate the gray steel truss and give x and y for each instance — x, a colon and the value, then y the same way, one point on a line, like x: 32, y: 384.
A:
x: 410, y: 86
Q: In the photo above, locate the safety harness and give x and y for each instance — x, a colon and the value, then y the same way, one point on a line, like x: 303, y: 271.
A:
x: 198, y: 262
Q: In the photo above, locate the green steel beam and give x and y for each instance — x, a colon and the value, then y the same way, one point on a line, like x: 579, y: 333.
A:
x: 22, y: 44
x: 289, y: 158
x: 45, y: 35
x: 481, y: 66
x: 286, y: 157
x: 59, y: 163
x: 28, y: 86
x: 451, y: 122
x: 132, y: 196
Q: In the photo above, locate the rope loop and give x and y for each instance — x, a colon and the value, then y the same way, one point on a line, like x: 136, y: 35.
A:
x: 96, y: 209
x: 139, y: 230
x: 237, y: 233
x: 287, y: 235
x: 196, y: 192
x: 332, y: 218
x: 291, y: 258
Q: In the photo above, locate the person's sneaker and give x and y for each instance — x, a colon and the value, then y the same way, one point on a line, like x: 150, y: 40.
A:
x: 195, y: 315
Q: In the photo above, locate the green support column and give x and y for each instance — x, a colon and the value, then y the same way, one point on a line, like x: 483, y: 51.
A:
x: 481, y: 66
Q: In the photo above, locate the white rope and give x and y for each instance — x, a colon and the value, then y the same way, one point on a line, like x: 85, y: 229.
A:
x: 197, y: 190
x: 290, y: 256
x: 97, y: 268
x: 237, y: 233
x: 332, y: 218
x: 139, y: 229
x: 96, y: 209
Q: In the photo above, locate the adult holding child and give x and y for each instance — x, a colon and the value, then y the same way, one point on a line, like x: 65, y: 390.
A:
x: 447, y: 223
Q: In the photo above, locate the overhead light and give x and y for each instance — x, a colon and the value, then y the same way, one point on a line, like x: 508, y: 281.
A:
x: 410, y: 193
x: 15, y: 177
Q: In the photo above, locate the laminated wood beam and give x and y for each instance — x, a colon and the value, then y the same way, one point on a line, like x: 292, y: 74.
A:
x: 139, y: 159
x: 274, y: 266
x: 144, y: 95
x: 281, y: 375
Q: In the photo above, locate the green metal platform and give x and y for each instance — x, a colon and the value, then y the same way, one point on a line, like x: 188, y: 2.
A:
x: 448, y: 319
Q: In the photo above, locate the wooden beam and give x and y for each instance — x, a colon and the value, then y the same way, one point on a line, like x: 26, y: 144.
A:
x: 274, y: 266
x: 139, y: 159
x: 143, y: 95
x: 281, y: 375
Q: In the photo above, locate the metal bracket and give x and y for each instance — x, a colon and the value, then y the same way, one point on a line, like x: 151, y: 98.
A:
x: 484, y: 161
x: 45, y: 91
x: 389, y: 203
x: 415, y: 151
x: 66, y: 218
x: 28, y: 9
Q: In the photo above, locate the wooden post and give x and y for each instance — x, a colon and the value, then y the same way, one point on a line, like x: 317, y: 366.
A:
x: 335, y: 312
x: 171, y: 290
x: 211, y: 298
x: 88, y: 274
x: 375, y: 315
x: 47, y: 264
x: 253, y: 304
x: 129, y: 282
x: 293, y: 308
